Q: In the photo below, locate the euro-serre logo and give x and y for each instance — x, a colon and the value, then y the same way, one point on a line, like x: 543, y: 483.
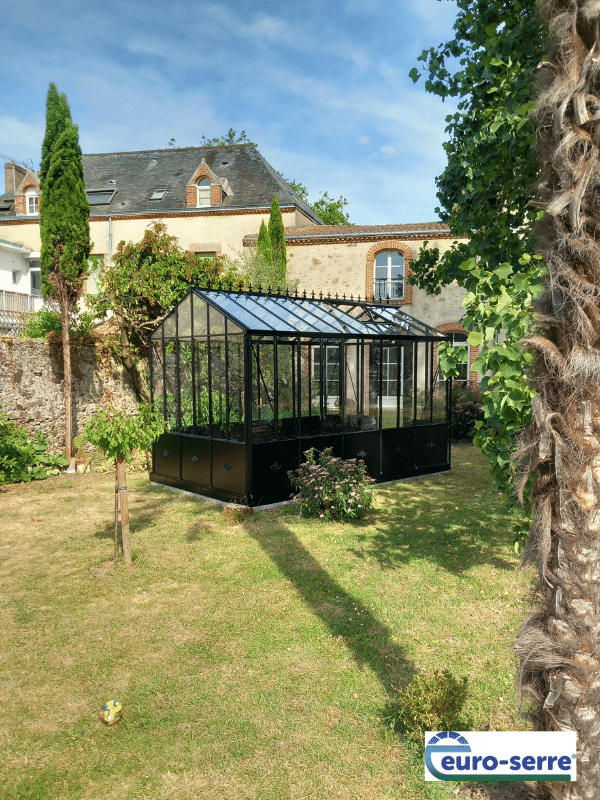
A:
x: 501, y: 756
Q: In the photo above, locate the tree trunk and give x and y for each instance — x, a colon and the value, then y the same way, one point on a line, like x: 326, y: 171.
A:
x: 130, y: 364
x: 68, y: 379
x: 125, y: 532
x: 559, y: 645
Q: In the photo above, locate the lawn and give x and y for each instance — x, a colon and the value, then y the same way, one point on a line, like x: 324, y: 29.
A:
x: 256, y: 661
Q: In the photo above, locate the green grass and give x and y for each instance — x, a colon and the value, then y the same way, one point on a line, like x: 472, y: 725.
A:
x: 256, y: 660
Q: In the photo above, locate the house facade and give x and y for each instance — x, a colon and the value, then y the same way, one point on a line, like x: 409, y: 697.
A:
x: 213, y: 199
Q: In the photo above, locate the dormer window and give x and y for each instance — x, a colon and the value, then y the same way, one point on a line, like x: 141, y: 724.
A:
x: 203, y: 192
x: 32, y: 202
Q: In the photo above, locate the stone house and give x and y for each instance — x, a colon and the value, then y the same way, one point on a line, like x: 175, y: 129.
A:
x: 213, y: 200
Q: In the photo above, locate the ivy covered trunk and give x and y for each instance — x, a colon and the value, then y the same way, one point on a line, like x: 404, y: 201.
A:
x: 559, y: 645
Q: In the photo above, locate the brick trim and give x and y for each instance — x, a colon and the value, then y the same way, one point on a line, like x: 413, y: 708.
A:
x: 389, y: 244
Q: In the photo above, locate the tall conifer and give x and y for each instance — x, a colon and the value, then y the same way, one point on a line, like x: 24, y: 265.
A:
x: 263, y: 245
x: 64, y: 228
x: 277, y: 240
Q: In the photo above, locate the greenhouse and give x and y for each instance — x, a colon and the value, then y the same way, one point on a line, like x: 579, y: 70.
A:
x: 248, y: 382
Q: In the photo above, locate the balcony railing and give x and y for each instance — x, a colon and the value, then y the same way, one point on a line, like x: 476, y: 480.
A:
x: 14, y: 310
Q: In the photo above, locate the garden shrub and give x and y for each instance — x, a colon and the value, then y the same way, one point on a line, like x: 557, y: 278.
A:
x: 331, y: 488
x: 465, y: 410
x: 431, y: 703
x: 46, y: 320
x: 25, y: 458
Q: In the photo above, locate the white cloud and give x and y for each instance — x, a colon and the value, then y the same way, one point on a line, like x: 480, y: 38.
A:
x: 363, y: 140
x: 388, y: 150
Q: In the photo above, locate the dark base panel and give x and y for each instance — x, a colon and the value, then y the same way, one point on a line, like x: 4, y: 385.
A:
x: 195, y: 488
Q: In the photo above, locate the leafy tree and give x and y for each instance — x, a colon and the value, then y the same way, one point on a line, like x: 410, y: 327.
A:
x: 117, y: 435
x: 559, y: 645
x: 331, y: 211
x: 485, y: 194
x: 143, y: 284
x: 64, y: 229
x: 277, y: 236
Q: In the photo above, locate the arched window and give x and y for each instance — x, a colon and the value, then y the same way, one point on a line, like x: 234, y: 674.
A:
x: 459, y: 340
x: 31, y: 202
x: 389, y: 275
x: 203, y: 190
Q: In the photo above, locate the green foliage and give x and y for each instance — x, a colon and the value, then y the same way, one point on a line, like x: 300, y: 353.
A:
x: 331, y: 211
x: 263, y: 246
x: 46, y: 320
x: 118, y: 434
x: 25, y: 458
x: 331, y: 488
x: 431, y: 703
x: 230, y: 138
x: 465, y: 411
x: 64, y: 210
x: 277, y: 236
x: 149, y: 277
x: 58, y: 117
x: 497, y: 48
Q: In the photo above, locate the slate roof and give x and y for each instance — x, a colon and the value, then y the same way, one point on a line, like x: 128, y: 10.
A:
x: 135, y: 176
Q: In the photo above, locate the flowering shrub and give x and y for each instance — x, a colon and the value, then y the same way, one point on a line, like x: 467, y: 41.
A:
x: 331, y: 488
x: 465, y: 410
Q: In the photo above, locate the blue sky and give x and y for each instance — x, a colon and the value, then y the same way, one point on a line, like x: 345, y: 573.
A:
x: 322, y: 86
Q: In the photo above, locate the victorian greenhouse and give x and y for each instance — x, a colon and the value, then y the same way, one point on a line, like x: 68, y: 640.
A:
x: 248, y: 382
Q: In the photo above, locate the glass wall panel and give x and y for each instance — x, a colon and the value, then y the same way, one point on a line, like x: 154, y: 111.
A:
x: 373, y: 352
x: 263, y: 390
x: 218, y: 387
x: 171, y: 388
x: 216, y: 322
x: 390, y: 371
x: 200, y: 310
x: 156, y: 357
x: 235, y: 393
x: 310, y: 423
x: 424, y: 382
x: 287, y: 426
x: 186, y: 388
x: 407, y: 395
x: 170, y: 326
x: 202, y: 385
x: 184, y: 320
x: 353, y: 407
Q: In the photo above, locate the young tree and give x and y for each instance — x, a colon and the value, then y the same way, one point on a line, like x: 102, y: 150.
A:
x: 490, y: 66
x: 117, y: 435
x: 277, y: 236
x: 64, y: 229
x: 143, y: 284
x: 559, y: 645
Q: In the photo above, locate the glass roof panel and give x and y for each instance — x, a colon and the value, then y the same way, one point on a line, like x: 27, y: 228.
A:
x: 295, y: 315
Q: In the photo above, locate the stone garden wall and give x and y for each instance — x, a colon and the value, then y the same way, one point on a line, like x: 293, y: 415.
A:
x: 31, y: 385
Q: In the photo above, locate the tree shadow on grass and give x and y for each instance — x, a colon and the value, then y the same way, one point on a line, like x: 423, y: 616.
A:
x: 454, y: 530
x: 349, y: 621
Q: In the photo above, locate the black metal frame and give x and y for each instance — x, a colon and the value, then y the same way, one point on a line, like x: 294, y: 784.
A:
x: 243, y: 379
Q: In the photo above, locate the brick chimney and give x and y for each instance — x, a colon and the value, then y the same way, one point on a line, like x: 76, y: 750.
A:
x: 13, y: 175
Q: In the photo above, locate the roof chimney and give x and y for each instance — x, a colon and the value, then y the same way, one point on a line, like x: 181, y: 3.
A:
x: 13, y: 175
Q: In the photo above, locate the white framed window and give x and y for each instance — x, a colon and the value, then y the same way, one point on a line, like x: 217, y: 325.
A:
x: 389, y: 275
x: 35, y: 276
x: 32, y: 202
x: 459, y: 340
x: 203, y: 192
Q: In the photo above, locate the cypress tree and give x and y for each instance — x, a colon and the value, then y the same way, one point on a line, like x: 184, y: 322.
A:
x: 277, y: 241
x: 263, y: 245
x: 64, y: 229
